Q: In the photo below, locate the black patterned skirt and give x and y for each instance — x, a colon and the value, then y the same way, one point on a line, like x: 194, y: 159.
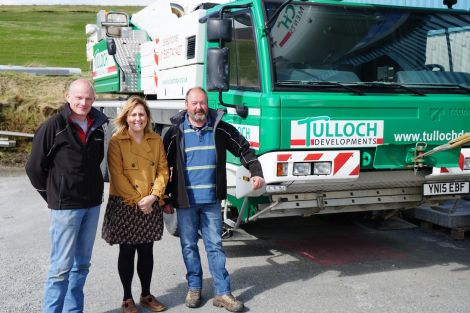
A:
x: 125, y: 224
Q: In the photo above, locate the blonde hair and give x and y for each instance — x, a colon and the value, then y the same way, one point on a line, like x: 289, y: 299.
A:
x: 120, y: 122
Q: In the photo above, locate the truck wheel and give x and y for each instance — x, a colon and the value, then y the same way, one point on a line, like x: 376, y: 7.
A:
x: 108, y: 131
x: 161, y: 129
x: 104, y: 171
x: 164, y: 130
x: 171, y: 223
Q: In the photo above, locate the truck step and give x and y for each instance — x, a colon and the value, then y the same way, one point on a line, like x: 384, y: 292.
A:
x: 236, y: 234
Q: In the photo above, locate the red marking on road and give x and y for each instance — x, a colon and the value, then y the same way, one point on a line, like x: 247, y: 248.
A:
x: 340, y: 160
x: 341, y: 250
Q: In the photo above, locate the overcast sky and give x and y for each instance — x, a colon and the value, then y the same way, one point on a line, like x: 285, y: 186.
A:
x: 92, y: 2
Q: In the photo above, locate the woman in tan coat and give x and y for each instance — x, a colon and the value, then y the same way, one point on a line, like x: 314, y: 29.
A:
x: 138, y: 176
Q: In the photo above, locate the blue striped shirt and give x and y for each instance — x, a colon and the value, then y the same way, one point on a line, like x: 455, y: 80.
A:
x: 200, y: 162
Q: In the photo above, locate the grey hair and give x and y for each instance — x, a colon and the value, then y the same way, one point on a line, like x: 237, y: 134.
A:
x: 195, y: 88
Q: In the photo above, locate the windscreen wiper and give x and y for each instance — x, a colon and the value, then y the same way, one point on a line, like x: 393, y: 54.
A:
x: 458, y: 86
x: 318, y: 84
x: 393, y: 85
x: 463, y: 87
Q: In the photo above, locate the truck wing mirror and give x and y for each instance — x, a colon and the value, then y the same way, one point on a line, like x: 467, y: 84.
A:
x: 218, y: 76
x: 114, y: 23
x: 111, y: 46
x: 219, y: 30
x: 218, y: 69
x: 449, y: 3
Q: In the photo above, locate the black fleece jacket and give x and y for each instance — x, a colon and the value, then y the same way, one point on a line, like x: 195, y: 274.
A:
x: 226, y: 138
x: 65, y: 171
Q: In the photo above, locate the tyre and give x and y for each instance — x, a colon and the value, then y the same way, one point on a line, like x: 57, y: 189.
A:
x: 104, y: 164
x: 104, y: 171
x: 171, y: 223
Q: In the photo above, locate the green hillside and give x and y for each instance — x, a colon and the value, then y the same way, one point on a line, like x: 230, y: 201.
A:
x: 39, y: 36
x: 47, y: 35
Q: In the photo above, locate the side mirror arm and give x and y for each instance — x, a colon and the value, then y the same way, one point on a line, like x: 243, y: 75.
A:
x: 241, y: 110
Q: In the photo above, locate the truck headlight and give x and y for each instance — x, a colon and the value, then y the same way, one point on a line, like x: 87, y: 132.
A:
x: 322, y: 168
x: 302, y: 169
x: 466, y: 164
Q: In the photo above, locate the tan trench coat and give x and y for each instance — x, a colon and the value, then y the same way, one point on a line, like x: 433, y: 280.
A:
x: 137, y: 171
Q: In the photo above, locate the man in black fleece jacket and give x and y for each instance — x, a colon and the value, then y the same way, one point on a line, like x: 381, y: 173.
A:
x: 64, y: 167
x: 196, y: 146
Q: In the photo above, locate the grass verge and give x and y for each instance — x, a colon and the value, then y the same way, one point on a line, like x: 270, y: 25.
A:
x: 25, y: 102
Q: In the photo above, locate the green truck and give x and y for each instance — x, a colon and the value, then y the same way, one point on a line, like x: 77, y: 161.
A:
x: 349, y: 106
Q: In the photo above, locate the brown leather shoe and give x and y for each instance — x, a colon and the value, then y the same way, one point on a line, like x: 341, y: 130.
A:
x: 151, y: 303
x: 229, y: 302
x: 128, y: 306
x: 193, y: 299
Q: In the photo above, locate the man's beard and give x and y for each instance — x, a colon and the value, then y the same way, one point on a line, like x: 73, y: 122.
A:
x: 198, y: 116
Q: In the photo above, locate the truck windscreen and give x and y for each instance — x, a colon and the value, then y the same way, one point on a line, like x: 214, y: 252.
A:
x: 360, y: 45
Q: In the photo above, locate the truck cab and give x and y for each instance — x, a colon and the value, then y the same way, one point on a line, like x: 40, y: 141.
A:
x: 349, y: 106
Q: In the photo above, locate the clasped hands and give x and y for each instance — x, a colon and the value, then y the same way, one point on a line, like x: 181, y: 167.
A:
x: 145, y: 205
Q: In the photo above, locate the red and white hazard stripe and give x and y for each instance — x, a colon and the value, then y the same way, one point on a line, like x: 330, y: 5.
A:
x: 104, y: 71
x: 464, y: 153
x: 345, y: 164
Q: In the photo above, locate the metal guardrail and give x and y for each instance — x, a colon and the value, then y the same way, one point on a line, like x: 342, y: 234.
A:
x: 54, y: 71
x: 15, y: 134
x: 5, y: 141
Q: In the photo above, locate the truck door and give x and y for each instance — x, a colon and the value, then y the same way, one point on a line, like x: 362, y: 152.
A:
x: 245, y: 82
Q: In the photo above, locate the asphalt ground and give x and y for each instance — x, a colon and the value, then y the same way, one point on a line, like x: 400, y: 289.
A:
x: 318, y: 264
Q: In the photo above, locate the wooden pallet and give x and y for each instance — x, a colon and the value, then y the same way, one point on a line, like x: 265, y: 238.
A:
x: 456, y: 233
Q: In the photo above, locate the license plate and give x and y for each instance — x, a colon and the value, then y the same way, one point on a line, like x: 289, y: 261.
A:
x: 451, y: 188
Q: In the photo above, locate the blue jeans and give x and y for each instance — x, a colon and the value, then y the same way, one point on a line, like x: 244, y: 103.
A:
x: 208, y: 219
x: 72, y: 237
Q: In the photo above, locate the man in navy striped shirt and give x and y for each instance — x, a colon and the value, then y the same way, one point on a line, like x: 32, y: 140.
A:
x: 196, y: 146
